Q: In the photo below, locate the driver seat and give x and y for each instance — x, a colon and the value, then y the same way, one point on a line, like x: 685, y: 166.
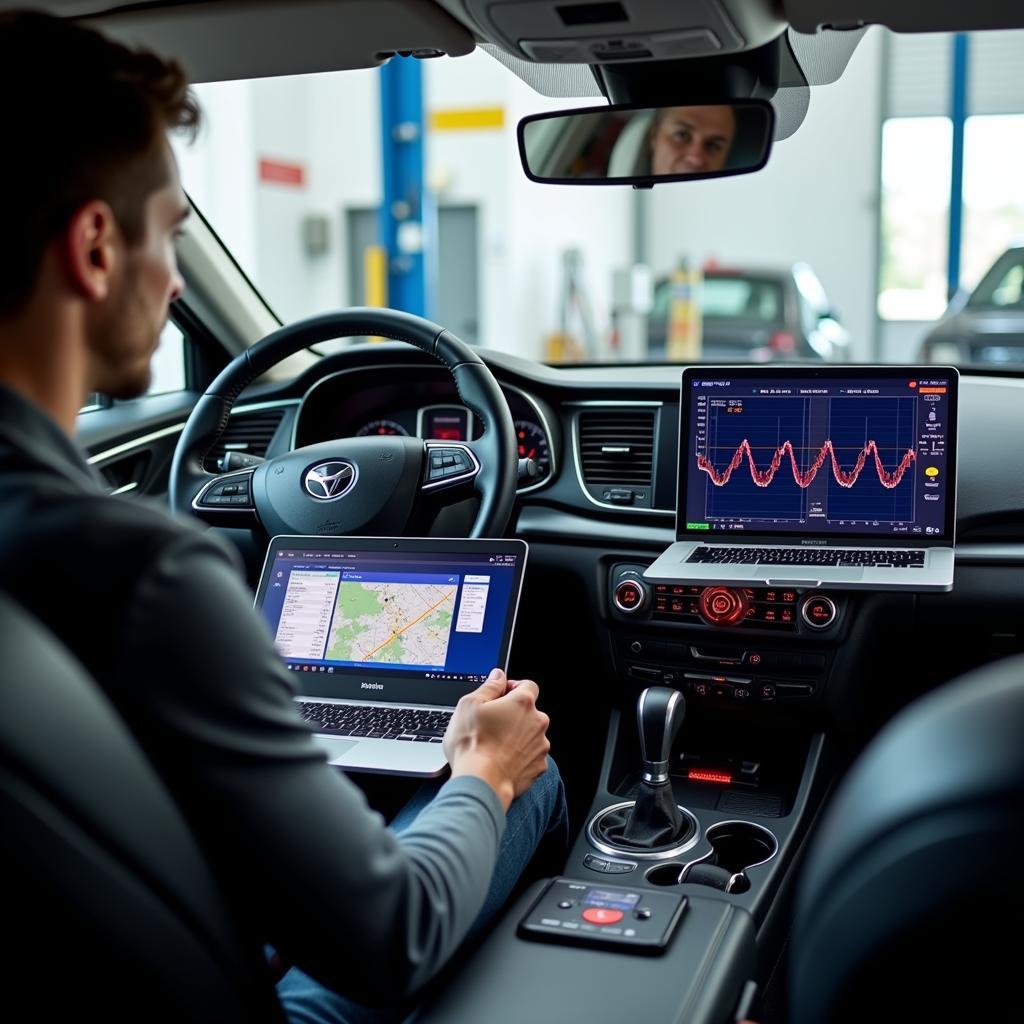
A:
x: 110, y: 909
x: 915, y: 874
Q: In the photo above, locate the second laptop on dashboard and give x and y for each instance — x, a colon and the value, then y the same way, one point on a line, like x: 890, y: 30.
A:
x: 837, y: 476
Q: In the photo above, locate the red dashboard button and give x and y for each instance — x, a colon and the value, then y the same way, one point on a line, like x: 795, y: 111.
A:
x: 602, y: 915
x: 819, y: 612
x: 722, y: 606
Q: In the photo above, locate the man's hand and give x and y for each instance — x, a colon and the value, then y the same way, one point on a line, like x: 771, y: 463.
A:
x: 498, y: 734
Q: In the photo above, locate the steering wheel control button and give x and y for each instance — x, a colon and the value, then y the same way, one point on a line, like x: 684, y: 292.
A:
x: 602, y: 915
x: 631, y: 596
x: 229, y: 494
x: 723, y: 606
x: 448, y: 464
x: 819, y: 612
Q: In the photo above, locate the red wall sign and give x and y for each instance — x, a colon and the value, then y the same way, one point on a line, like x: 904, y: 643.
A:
x: 281, y: 173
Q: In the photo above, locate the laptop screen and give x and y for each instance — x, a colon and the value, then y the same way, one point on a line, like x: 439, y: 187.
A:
x: 832, y: 452
x: 389, y: 619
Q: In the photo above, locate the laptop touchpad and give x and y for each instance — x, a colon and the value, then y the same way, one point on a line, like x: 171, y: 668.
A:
x: 333, y: 746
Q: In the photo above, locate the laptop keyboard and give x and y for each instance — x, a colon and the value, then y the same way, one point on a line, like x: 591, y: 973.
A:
x: 815, y: 557
x: 411, y: 724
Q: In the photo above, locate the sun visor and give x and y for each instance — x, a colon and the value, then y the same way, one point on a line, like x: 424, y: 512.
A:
x: 229, y: 40
x: 904, y: 15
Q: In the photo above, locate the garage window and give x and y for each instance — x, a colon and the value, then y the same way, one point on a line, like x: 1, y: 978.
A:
x: 993, y: 191
x: 916, y: 177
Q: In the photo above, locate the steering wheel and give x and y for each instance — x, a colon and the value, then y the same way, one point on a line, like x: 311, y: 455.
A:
x: 369, y: 485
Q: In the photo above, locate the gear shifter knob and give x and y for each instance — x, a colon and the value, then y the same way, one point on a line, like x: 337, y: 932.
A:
x: 659, y: 714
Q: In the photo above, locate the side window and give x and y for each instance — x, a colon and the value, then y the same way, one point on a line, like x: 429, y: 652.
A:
x: 1010, y: 291
x: 167, y: 369
x: 168, y: 366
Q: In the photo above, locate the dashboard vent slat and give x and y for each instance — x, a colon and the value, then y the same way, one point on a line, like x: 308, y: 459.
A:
x: 249, y: 432
x: 617, y: 446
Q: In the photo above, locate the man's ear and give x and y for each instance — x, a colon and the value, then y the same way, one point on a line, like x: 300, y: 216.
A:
x: 90, y: 249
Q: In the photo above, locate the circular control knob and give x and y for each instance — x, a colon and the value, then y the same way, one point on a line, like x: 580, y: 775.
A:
x: 631, y: 596
x: 819, y: 612
x: 723, y: 606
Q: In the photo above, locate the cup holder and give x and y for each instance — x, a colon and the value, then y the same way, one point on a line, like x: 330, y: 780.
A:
x: 740, y: 845
x: 665, y: 874
x: 736, y: 846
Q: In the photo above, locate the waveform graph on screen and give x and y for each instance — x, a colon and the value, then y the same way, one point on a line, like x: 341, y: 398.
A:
x: 743, y: 440
x: 883, y: 490
x: 787, y: 459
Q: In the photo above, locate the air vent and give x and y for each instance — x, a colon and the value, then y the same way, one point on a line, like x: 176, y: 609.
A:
x: 248, y: 432
x: 617, y: 446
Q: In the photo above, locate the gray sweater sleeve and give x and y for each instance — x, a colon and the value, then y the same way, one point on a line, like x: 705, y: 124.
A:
x: 306, y: 864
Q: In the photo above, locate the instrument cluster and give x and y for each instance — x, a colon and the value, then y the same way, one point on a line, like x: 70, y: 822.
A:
x: 336, y: 408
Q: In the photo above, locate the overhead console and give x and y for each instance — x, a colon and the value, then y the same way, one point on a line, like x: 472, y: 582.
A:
x: 607, y: 31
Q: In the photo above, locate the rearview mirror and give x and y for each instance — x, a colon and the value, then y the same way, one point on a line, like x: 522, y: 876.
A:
x: 642, y: 146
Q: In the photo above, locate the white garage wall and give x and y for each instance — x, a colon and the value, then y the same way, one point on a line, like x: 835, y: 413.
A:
x: 816, y: 201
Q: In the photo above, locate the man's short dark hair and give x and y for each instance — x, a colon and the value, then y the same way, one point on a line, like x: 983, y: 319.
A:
x: 84, y: 119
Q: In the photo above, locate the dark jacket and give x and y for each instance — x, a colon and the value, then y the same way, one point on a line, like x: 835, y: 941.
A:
x: 157, y: 612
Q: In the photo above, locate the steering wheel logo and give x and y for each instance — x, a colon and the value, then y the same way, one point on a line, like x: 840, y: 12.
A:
x: 330, y: 480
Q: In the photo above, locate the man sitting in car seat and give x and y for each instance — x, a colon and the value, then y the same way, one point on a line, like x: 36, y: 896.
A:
x: 156, y: 609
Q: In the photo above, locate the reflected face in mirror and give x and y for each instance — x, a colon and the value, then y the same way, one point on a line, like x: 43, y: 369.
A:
x: 691, y: 140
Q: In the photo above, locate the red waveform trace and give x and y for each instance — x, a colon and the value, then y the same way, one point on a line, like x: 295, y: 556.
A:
x: 845, y: 478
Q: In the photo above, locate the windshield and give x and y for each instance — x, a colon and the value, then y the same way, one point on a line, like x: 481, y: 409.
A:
x: 845, y: 247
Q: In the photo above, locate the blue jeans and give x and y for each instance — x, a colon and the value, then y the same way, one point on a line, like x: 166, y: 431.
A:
x: 538, y: 815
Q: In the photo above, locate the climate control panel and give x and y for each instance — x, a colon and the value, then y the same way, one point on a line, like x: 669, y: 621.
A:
x: 725, y: 643
x: 763, y: 607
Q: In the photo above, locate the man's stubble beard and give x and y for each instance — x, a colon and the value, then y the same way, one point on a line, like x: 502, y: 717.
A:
x: 126, y: 374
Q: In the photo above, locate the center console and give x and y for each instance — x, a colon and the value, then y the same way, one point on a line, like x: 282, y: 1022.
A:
x: 664, y: 895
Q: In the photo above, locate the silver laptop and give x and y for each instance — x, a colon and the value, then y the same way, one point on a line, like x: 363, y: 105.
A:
x: 384, y: 635
x: 834, y: 476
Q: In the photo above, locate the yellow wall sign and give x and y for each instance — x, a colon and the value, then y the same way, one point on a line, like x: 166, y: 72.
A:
x: 468, y: 119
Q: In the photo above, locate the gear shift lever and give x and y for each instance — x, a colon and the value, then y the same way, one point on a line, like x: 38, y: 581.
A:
x: 659, y: 714
x: 654, y: 820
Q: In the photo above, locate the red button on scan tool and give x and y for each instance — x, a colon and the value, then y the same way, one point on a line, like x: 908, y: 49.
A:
x: 602, y: 915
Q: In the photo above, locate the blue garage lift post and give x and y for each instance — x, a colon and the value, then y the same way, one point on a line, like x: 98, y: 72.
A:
x: 408, y: 222
x: 958, y: 115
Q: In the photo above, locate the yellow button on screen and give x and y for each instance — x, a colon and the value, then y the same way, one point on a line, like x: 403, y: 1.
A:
x: 932, y: 471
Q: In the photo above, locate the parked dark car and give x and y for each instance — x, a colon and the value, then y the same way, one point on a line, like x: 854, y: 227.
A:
x: 758, y: 315
x: 985, y: 326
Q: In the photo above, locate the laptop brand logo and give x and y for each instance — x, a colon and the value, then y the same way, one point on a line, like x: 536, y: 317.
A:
x: 371, y: 686
x: 330, y: 480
